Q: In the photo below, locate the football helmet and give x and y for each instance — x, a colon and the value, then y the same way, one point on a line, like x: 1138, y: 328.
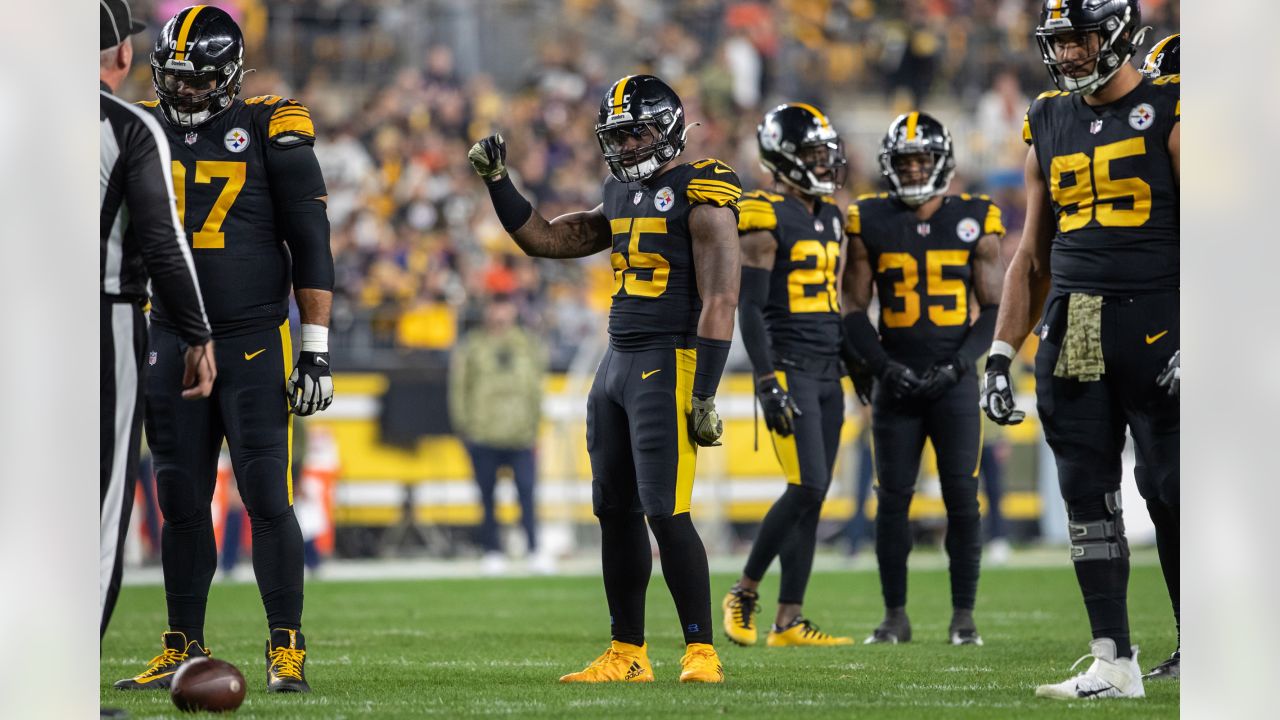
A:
x: 1163, y: 58
x: 1117, y: 24
x: 914, y: 134
x: 197, y: 65
x: 645, y: 109
x: 796, y: 143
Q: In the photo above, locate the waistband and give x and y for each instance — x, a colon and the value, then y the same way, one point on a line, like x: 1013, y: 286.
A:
x: 816, y: 366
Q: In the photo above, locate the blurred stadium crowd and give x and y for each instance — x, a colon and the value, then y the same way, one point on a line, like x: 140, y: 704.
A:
x: 400, y: 89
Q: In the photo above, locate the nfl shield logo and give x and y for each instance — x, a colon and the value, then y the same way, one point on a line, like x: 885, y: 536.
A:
x: 151, y: 358
x: 923, y: 229
x: 639, y: 196
x: 191, y: 138
x: 1095, y: 127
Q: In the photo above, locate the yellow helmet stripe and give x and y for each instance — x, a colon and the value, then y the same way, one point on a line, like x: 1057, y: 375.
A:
x: 619, y: 90
x: 912, y: 119
x: 1159, y: 48
x: 816, y: 113
x: 180, y: 52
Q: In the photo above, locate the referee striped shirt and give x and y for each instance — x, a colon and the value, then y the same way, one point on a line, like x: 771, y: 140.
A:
x: 142, y: 236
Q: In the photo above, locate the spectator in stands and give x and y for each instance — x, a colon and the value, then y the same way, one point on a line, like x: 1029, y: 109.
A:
x: 495, y: 404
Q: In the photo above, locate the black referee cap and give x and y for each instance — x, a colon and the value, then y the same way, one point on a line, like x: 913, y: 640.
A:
x: 117, y: 23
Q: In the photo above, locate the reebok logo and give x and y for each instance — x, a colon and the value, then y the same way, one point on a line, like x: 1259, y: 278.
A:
x: 645, y: 375
x: 1157, y: 336
x: 252, y: 355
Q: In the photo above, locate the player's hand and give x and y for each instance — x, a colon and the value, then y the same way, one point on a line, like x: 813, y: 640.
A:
x: 704, y: 422
x: 199, y: 371
x: 861, y: 376
x: 996, y: 399
x: 489, y: 157
x: 940, y: 378
x: 1172, y: 374
x: 310, y: 386
x: 901, y: 380
x: 780, y: 409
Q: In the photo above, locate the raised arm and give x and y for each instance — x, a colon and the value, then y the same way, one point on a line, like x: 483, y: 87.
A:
x: 572, y: 235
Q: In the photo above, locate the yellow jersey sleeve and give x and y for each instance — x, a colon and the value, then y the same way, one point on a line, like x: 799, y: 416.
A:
x: 756, y: 213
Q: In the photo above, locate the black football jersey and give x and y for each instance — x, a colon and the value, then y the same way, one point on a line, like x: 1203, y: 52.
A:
x: 1113, y: 188
x: 224, y: 201
x: 655, y: 290
x: 923, y: 270
x: 803, y: 312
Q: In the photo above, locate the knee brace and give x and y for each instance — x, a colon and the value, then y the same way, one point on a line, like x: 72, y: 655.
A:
x: 1100, y: 538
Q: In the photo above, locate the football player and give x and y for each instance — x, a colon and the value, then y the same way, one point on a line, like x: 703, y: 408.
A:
x: 1163, y: 58
x: 1098, y: 266
x: 789, y: 310
x: 250, y: 193
x: 672, y: 228
x: 924, y: 251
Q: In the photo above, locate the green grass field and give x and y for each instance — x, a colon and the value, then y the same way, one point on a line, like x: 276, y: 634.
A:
x: 450, y: 648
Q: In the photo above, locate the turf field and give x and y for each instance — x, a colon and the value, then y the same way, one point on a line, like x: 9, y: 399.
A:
x: 450, y: 648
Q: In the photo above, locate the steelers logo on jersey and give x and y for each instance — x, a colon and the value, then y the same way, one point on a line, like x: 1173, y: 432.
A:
x: 664, y: 199
x: 968, y: 229
x: 1141, y: 117
x: 236, y: 140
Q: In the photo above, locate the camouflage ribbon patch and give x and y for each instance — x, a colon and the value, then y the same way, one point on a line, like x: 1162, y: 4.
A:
x: 1081, y: 354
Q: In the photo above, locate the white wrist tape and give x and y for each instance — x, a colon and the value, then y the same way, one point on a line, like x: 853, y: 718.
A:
x: 315, y: 338
x: 998, y: 347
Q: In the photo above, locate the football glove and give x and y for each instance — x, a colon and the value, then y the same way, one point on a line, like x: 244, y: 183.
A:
x: 704, y: 422
x: 780, y: 409
x: 310, y: 386
x: 901, y: 380
x: 861, y: 376
x: 1172, y: 375
x: 996, y: 399
x: 939, y: 379
x: 489, y: 157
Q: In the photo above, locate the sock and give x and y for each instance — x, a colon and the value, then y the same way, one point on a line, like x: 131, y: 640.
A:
x: 1104, y: 584
x: 189, y: 556
x: 1165, y: 518
x: 627, y: 564
x: 684, y: 566
x: 964, y: 538
x: 893, y: 544
x: 277, y: 565
x: 796, y: 556
x: 775, y: 530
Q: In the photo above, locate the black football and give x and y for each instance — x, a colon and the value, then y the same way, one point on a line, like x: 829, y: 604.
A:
x: 207, y: 685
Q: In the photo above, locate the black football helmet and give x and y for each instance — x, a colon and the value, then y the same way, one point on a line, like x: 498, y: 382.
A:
x: 200, y: 51
x: 1163, y: 58
x: 912, y: 134
x: 799, y: 146
x: 643, y: 108
x: 1117, y: 23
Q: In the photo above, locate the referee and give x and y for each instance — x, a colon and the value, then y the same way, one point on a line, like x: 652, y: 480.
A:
x: 141, y: 237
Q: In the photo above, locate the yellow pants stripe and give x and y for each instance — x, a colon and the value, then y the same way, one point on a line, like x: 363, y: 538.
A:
x: 286, y: 344
x: 687, y: 454
x: 785, y: 447
x: 982, y: 430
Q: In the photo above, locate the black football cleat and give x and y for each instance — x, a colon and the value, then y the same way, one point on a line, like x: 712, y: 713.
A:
x: 160, y: 671
x: 962, y: 630
x: 1170, y: 669
x: 286, y: 656
x: 894, y: 629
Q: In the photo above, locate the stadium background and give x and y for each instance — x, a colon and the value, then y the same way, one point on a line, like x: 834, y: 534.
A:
x: 399, y: 90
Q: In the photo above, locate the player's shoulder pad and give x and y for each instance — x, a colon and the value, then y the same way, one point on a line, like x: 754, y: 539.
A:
x: 756, y: 211
x: 983, y: 205
x: 288, y: 121
x: 1039, y: 102
x: 713, y: 182
x: 857, y: 208
x: 1171, y: 85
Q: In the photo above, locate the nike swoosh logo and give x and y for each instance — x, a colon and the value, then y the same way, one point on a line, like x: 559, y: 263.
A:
x: 250, y: 356
x: 1157, y: 336
x: 1091, y: 693
x: 718, y: 171
x: 645, y: 375
x: 154, y: 677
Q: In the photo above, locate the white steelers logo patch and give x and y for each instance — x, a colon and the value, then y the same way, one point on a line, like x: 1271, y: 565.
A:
x: 968, y: 230
x: 236, y: 140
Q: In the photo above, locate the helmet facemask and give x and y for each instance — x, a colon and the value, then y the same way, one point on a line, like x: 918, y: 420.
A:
x: 817, y: 168
x: 932, y: 179
x: 214, y: 89
x: 635, y: 149
x: 1113, y: 51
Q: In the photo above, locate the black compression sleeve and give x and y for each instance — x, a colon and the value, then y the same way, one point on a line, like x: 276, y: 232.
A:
x: 296, y: 188
x: 978, y: 339
x: 712, y: 355
x: 752, y: 298
x: 513, y: 210
x: 866, y: 340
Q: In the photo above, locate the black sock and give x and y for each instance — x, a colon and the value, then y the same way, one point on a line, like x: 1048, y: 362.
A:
x: 1104, y: 584
x: 684, y: 566
x: 963, y: 539
x: 796, y: 556
x: 1165, y: 518
x: 775, y: 530
x: 277, y: 564
x: 893, y: 544
x: 189, y: 556
x: 627, y: 564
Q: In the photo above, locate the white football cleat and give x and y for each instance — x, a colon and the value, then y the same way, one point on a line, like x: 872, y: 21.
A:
x: 1107, y: 677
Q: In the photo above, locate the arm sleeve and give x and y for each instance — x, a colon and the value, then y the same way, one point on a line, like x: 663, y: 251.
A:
x: 752, y: 298
x: 153, y: 218
x: 978, y: 339
x: 296, y: 185
x: 865, y: 340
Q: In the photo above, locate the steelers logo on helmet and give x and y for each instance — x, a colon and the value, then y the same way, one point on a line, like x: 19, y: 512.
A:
x: 1141, y: 116
x: 799, y: 147
x: 236, y: 140
x: 664, y: 199
x: 640, y: 127
x: 968, y: 230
